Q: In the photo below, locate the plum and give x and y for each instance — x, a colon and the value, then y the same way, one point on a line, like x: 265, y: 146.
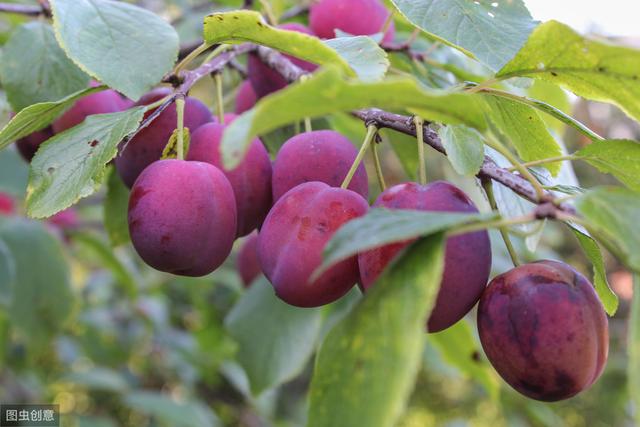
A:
x: 251, y: 180
x: 544, y: 330
x: 28, y: 145
x: 65, y: 220
x: 147, y: 146
x: 322, y: 155
x: 182, y: 217
x: 266, y: 80
x: 247, y: 262
x: 356, y: 17
x: 292, y: 239
x: 467, y: 257
x: 106, y: 101
x: 7, y: 204
x: 246, y: 97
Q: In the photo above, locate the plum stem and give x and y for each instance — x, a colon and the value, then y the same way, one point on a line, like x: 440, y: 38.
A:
x: 180, y: 113
x: 422, y: 167
x: 372, y: 130
x: 487, y: 184
x: 217, y: 77
x: 498, y: 223
x: 497, y: 145
x: 190, y: 57
x: 307, y: 120
x: 378, y: 165
x: 268, y: 11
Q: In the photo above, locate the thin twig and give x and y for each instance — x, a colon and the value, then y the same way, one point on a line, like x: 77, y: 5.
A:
x: 43, y: 9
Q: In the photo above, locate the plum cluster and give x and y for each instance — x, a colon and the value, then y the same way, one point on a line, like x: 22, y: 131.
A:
x: 541, y: 325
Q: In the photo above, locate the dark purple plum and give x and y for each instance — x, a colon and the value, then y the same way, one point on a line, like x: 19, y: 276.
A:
x: 266, y: 80
x: 7, y: 204
x: 322, y: 155
x: 106, y: 101
x: 246, y: 97
x: 544, y: 330
x: 292, y: 239
x: 467, y: 257
x: 147, y: 146
x: 182, y: 217
x: 28, y: 145
x: 251, y: 180
x: 356, y: 17
x: 247, y: 262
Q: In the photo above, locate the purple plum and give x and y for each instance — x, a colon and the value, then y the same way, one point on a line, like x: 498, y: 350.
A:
x: 182, y: 217
x: 467, y: 256
x: 322, y: 155
x: 251, y: 180
x: 147, y: 146
x: 292, y: 239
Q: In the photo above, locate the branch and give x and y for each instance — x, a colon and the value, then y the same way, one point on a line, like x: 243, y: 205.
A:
x: 404, y: 124
x: 185, y: 81
x: 22, y: 9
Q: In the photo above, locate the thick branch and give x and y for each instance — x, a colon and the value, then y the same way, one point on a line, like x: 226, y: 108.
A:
x: 404, y: 124
x: 28, y: 10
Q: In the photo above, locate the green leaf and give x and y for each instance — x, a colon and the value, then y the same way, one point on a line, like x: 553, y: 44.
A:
x: 592, y: 250
x: 364, y: 56
x: 38, y: 116
x: 32, y: 67
x: 460, y: 348
x: 525, y: 130
x: 42, y: 297
x: 14, y: 173
x: 366, y: 366
x: 7, y: 275
x: 611, y: 215
x: 275, y: 339
x: 331, y: 93
x: 619, y: 157
x: 98, y: 378
x: 465, y: 149
x: 493, y: 34
x: 169, y: 412
x: 511, y: 205
x: 116, y: 206
x: 170, y: 150
x: 249, y: 26
x: 124, y: 46
x: 71, y: 165
x: 591, y: 69
x: 382, y: 226
x: 634, y: 349
x: 90, y: 243
x: 551, y: 94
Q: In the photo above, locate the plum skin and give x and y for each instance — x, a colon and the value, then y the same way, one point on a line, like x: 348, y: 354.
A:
x: 292, y: 239
x: 247, y: 262
x: 147, y: 146
x: 106, y: 101
x: 467, y: 257
x: 251, y: 180
x: 356, y: 17
x: 265, y: 80
x: 28, y: 146
x: 322, y: 155
x: 182, y: 217
x: 246, y: 97
x: 544, y: 330
x: 7, y: 204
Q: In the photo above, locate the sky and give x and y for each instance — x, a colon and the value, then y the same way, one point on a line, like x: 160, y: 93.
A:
x: 607, y: 17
